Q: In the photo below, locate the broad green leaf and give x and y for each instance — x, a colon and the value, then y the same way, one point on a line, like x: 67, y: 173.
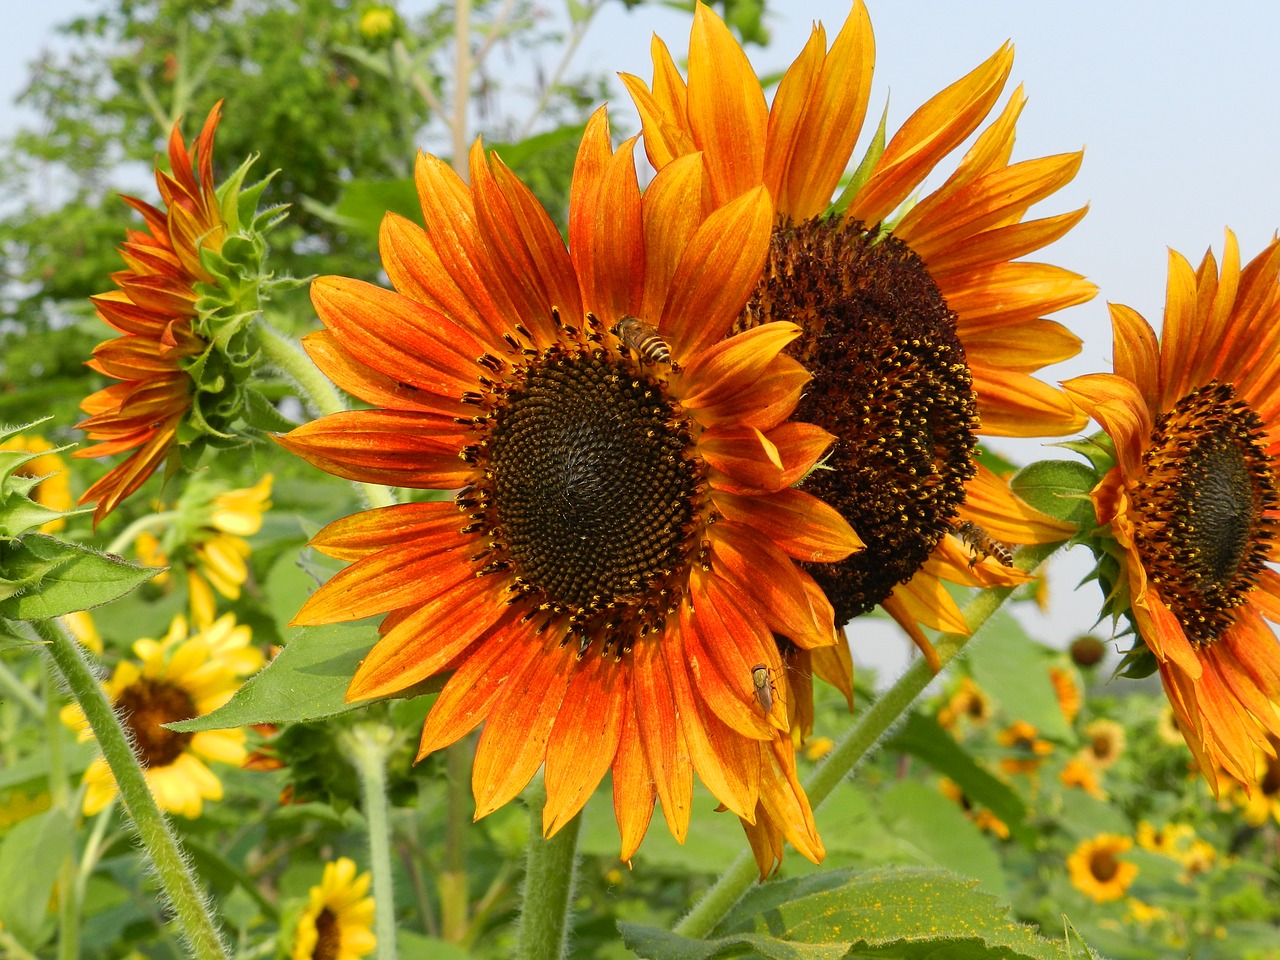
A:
x: 30, y: 859
x: 899, y: 913
x: 1014, y: 670
x: 875, y: 149
x: 365, y: 202
x: 307, y: 681
x: 940, y: 835
x: 1059, y: 488
x: 71, y: 577
x: 216, y: 868
x: 921, y: 737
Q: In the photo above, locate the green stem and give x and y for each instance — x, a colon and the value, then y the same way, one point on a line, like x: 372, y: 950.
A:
x: 316, y: 390
x: 147, y: 522
x: 185, y: 895
x: 548, y: 885
x: 368, y: 745
x: 453, y: 878
x: 60, y: 797
x: 19, y: 692
x: 870, y: 727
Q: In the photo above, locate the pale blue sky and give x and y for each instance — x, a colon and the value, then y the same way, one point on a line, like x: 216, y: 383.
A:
x: 1175, y: 102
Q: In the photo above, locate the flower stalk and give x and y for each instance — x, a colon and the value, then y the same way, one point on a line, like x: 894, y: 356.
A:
x: 869, y: 729
x: 187, y: 899
x: 368, y: 746
x: 548, y: 884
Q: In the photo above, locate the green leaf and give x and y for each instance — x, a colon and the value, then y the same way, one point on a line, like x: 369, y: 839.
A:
x: 1014, y: 670
x: 1059, y: 488
x: 64, y: 577
x: 1099, y: 449
x: 307, y: 681
x: 921, y: 737
x: 860, y: 176
x: 365, y: 202
x: 900, y: 913
x: 938, y: 834
x: 30, y: 859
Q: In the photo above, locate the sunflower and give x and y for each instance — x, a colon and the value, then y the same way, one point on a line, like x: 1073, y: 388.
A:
x: 969, y: 702
x: 1105, y: 742
x: 1190, y: 510
x: 176, y: 678
x: 153, y: 311
x: 338, y: 921
x: 1082, y: 772
x: 1096, y: 870
x: 605, y: 586
x: 54, y: 489
x: 983, y: 819
x: 1262, y: 801
x: 219, y: 549
x: 920, y: 327
x: 1028, y: 749
x: 1067, y: 691
x: 1169, y: 840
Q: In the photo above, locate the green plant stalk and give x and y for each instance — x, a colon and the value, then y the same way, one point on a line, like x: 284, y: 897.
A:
x: 368, y: 745
x: 143, y: 523
x: 316, y: 389
x: 185, y: 895
x: 453, y: 878
x: 60, y: 796
x: 869, y: 729
x: 548, y: 885
x: 13, y: 688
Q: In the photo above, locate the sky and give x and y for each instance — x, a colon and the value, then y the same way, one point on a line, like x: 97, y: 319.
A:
x: 1175, y: 103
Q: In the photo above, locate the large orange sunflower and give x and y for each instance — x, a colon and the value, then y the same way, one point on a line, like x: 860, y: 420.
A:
x: 1192, y: 502
x: 920, y: 326
x: 607, y: 581
x: 153, y: 311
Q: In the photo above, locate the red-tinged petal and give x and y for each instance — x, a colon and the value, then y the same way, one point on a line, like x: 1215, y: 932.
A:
x: 727, y: 112
x: 904, y: 618
x: 1002, y: 243
x: 665, y: 139
x: 634, y: 793
x: 766, y: 842
x: 765, y: 403
x: 717, y: 274
x: 1164, y: 635
x: 800, y: 447
x: 834, y: 664
x: 611, y: 269
x: 514, y: 743
x: 745, y: 457
x: 133, y: 473
x: 431, y: 526
x: 993, y: 506
x: 723, y: 678
x: 1023, y: 349
x: 1008, y: 294
x: 1119, y: 409
x: 800, y: 524
x: 661, y: 735
x: 397, y: 449
x: 397, y: 336
x: 1179, y: 334
x: 373, y: 387
x: 421, y: 644
x: 785, y: 799
x: 470, y: 693
x: 730, y: 364
x: 585, y: 738
x: 674, y: 205
x: 1016, y: 405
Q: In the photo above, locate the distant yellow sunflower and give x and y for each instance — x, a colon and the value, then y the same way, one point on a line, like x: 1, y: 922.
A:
x: 920, y: 325
x: 1027, y: 748
x: 982, y: 818
x: 153, y: 312
x: 1191, y: 509
x: 1105, y: 742
x: 1082, y: 772
x: 1169, y: 839
x: 1096, y: 869
x: 176, y: 678
x: 1067, y: 690
x: 969, y: 703
x: 338, y: 921
x: 1262, y: 801
x: 54, y: 491
x: 220, y: 551
x: 621, y: 549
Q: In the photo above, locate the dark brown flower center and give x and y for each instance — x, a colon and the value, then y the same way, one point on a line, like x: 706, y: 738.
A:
x: 889, y: 381
x: 328, y: 936
x: 1103, y: 865
x: 146, y: 704
x: 591, y: 492
x: 1206, y: 508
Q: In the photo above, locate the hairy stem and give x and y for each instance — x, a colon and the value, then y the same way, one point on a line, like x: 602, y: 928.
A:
x: 548, y: 885
x: 368, y: 745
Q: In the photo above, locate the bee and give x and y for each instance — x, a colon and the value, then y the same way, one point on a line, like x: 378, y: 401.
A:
x: 645, y: 340
x: 981, y: 543
x: 763, y: 686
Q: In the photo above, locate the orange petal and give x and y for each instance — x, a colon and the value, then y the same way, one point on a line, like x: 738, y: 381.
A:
x: 634, y: 793
x: 661, y: 734
x: 800, y: 524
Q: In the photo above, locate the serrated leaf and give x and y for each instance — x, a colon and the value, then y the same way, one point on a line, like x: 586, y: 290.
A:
x: 72, y: 577
x: 307, y: 681
x: 1099, y: 449
x: 261, y: 414
x: 921, y: 737
x: 1059, y: 488
x: 654, y: 944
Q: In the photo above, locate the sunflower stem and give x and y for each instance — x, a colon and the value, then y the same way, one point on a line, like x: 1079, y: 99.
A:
x: 60, y: 797
x: 12, y: 687
x: 146, y: 522
x: 869, y: 729
x: 453, y: 878
x: 369, y: 745
x: 316, y: 390
x: 549, y: 878
x: 185, y: 895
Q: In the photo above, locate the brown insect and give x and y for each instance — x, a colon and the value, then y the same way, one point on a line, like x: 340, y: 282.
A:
x: 644, y: 339
x: 764, y: 688
x: 981, y: 543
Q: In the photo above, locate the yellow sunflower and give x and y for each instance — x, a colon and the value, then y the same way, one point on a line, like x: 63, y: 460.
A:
x: 1105, y: 742
x: 609, y: 577
x: 54, y: 490
x: 982, y: 818
x: 1082, y: 772
x: 338, y: 921
x: 969, y: 703
x: 1169, y: 840
x: 1261, y: 801
x: 176, y: 678
x: 1028, y: 749
x: 1067, y: 690
x: 220, y: 551
x: 153, y: 311
x: 920, y: 325
x: 1191, y: 510
x: 1096, y: 869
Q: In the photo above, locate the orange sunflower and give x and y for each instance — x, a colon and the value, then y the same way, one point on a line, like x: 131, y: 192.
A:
x: 921, y: 328
x: 153, y: 311
x: 1191, y: 508
x: 605, y: 585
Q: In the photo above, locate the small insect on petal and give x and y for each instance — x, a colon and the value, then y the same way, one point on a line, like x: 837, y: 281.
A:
x: 644, y: 339
x: 981, y: 543
x: 763, y: 687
